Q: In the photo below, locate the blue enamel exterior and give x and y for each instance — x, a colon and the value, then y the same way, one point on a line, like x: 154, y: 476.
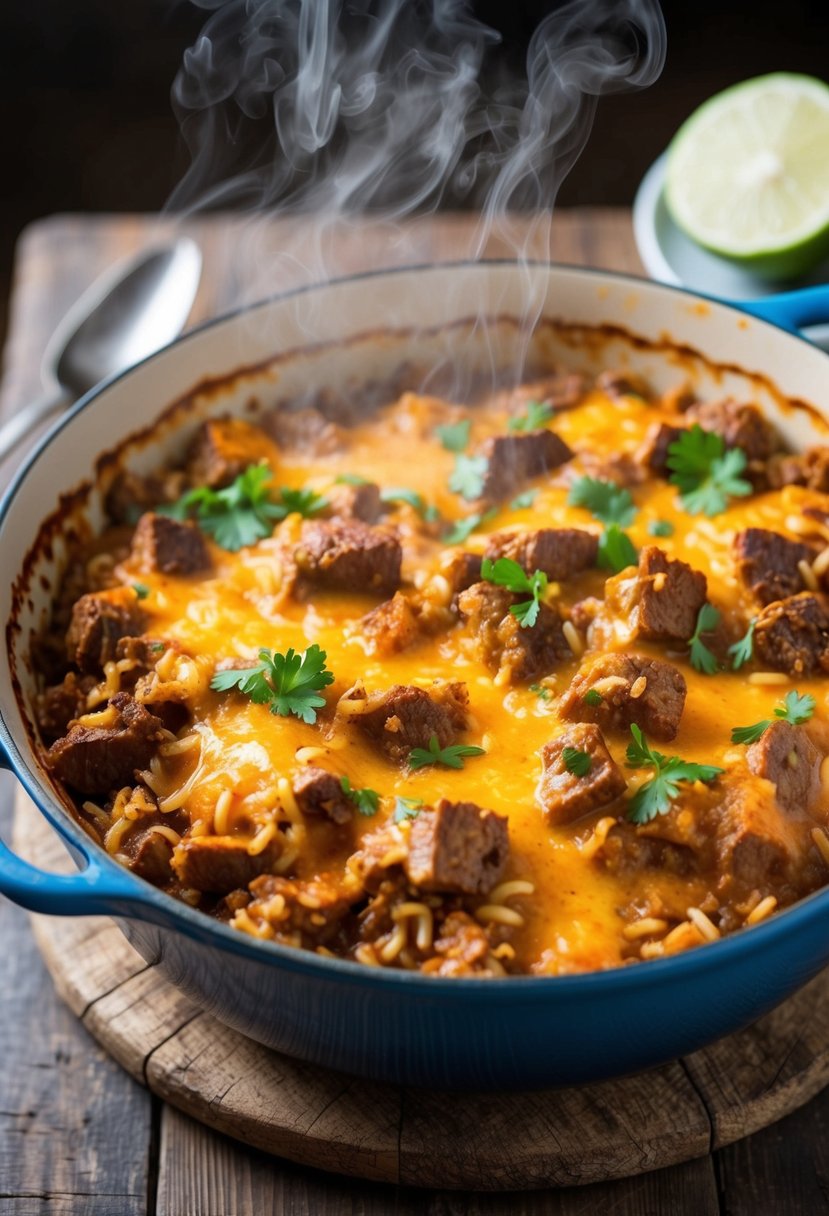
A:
x: 517, y: 1033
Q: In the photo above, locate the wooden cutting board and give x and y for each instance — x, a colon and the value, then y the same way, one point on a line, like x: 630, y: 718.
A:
x: 416, y: 1137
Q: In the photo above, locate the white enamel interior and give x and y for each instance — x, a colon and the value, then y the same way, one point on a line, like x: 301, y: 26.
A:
x: 421, y: 303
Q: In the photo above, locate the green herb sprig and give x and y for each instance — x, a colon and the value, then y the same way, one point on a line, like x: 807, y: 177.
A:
x: 468, y: 476
x: 708, y: 618
x: 706, y: 473
x: 743, y: 651
x: 454, y: 436
x: 612, y: 506
x: 504, y: 572
x: 796, y: 709
x: 655, y: 796
x: 450, y: 757
x: 577, y: 763
x: 366, y: 800
x: 536, y: 415
x: 425, y: 510
x: 287, y: 683
x: 462, y: 529
x: 406, y: 808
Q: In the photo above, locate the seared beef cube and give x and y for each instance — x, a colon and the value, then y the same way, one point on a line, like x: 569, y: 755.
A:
x: 305, y: 431
x: 809, y: 468
x: 462, y: 570
x: 348, y: 556
x: 99, y: 620
x: 58, y: 705
x: 559, y: 552
x: 171, y: 546
x: 463, y: 944
x: 313, y: 907
x: 318, y: 792
x: 220, y: 864
x: 785, y: 755
x: 564, y: 795
x: 617, y: 383
x: 507, y: 648
x: 633, y: 689
x: 100, y: 758
x: 741, y: 426
x: 403, y: 717
x: 151, y: 855
x: 768, y: 563
x: 354, y: 502
x: 752, y: 843
x: 222, y: 449
x: 390, y: 627
x: 457, y: 847
x: 663, y: 601
x: 513, y: 460
x: 654, y: 451
x: 792, y: 635
x: 144, y: 652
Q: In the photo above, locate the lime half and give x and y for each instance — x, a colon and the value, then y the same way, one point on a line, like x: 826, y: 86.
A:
x: 748, y: 174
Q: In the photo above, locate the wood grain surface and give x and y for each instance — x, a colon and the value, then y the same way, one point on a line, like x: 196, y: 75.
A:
x: 77, y: 1133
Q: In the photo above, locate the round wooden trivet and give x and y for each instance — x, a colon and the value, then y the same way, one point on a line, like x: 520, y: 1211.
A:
x: 416, y: 1137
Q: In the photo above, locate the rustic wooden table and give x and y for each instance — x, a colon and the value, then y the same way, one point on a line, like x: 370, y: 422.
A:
x: 77, y: 1135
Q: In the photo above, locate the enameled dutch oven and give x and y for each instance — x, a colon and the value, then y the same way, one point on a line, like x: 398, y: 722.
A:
x: 395, y: 1025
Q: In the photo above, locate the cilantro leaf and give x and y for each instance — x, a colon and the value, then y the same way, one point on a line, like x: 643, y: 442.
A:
x: 411, y: 497
x: 750, y: 734
x: 523, y: 500
x: 504, y: 572
x: 616, y: 550
x: 450, y: 757
x: 454, y: 436
x: 351, y: 479
x: 592, y: 697
x: 607, y: 502
x: 655, y: 796
x: 576, y: 762
x: 797, y: 708
x: 701, y: 657
x: 288, y: 683
x: 537, y: 415
x: 468, y: 476
x: 462, y: 529
x: 406, y: 808
x: 706, y: 473
x: 141, y: 590
x: 743, y: 650
x: 366, y: 800
x: 660, y: 527
x: 301, y: 502
x: 541, y: 692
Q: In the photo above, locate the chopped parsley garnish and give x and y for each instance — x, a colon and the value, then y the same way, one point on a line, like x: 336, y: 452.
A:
x: 504, y: 572
x: 157, y: 647
x: 351, y: 479
x: 406, y: 808
x: 468, y: 476
x: 454, y: 436
x: 411, y: 497
x: 366, y: 801
x: 538, y: 414
x: 243, y: 512
x: 525, y: 499
x: 607, y: 502
x: 462, y: 529
x: 741, y: 652
x: 702, y: 659
x: 577, y: 763
x: 655, y: 796
x: 616, y: 550
x: 796, y: 709
x: 660, y: 527
x: 706, y: 473
x: 141, y: 590
x: 287, y: 683
x: 592, y: 697
x: 541, y: 692
x: 450, y: 757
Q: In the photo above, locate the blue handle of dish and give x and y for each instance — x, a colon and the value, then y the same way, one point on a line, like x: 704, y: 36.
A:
x: 792, y: 310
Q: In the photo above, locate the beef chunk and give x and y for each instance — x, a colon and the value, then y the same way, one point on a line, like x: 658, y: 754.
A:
x: 312, y: 908
x: 785, y: 755
x: 634, y: 689
x: 99, y: 620
x: 97, y: 759
x: 305, y: 431
x: 768, y: 563
x: 662, y: 601
x: 131, y: 494
x: 58, y: 705
x: 617, y: 383
x: 462, y: 570
x: 222, y: 449
x: 621, y: 468
x: 152, y: 856
x: 457, y: 847
x: 741, y: 426
x: 403, y: 716
x: 507, y: 648
x: 750, y: 838
x: 564, y: 796
x: 516, y: 459
x: 170, y: 546
x: 348, y: 556
x: 462, y: 944
x: 809, y: 468
x: 361, y: 502
x: 792, y: 635
x: 390, y: 627
x: 318, y: 792
x: 220, y: 864
x: 559, y: 552
x: 654, y: 451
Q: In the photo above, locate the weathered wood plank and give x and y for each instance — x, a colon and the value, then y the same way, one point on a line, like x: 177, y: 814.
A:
x: 781, y: 1171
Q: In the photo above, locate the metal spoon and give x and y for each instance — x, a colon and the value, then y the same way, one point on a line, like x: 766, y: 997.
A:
x: 128, y: 313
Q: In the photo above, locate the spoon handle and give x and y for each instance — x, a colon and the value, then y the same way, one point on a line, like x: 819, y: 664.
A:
x: 20, y: 425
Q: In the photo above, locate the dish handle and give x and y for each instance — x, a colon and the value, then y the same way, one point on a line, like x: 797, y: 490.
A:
x: 791, y: 310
